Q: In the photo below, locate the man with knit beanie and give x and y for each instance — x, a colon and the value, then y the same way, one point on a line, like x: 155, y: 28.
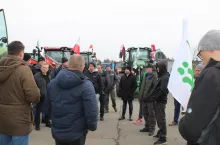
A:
x: 201, y: 123
x: 27, y: 57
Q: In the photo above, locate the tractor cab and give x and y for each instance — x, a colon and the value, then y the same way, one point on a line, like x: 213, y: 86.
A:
x: 3, y: 34
x: 88, y: 57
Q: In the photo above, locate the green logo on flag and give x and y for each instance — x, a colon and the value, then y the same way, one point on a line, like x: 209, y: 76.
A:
x: 184, y: 71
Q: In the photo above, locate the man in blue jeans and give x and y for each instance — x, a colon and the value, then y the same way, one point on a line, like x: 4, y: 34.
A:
x: 17, y: 91
x: 177, y: 107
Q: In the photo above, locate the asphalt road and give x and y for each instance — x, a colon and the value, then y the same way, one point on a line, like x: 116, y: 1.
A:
x: 114, y: 132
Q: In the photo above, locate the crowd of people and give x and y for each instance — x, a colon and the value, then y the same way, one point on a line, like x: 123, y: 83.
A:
x: 66, y: 98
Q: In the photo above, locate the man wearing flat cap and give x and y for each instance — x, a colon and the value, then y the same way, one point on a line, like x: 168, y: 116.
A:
x: 148, y: 82
x: 201, y: 123
x: 64, y: 65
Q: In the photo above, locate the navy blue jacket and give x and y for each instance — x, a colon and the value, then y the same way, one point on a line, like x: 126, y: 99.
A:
x: 72, y: 104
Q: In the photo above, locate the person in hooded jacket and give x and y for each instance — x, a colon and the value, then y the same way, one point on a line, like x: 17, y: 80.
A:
x: 57, y: 70
x: 127, y: 87
x: 201, y: 123
x: 72, y: 104
x: 18, y: 91
x: 159, y: 96
x: 37, y: 68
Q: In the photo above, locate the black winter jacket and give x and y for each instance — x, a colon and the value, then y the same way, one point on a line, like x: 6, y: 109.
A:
x: 160, y: 90
x: 201, y: 124
x: 95, y: 78
x: 42, y: 83
x: 127, y: 87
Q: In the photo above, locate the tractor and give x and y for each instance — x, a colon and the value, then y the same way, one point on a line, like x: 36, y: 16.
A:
x: 138, y: 59
x: 3, y: 34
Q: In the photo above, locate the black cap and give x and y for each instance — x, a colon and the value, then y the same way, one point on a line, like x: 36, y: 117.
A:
x: 64, y: 59
x: 92, y: 63
x: 27, y: 56
x: 41, y: 59
x: 128, y: 67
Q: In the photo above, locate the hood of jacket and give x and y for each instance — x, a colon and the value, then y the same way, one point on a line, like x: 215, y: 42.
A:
x: 67, y: 79
x: 37, y: 66
x: 8, y: 65
x: 162, y: 65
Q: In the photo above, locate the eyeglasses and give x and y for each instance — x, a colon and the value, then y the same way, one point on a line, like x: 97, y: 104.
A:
x: 199, y: 56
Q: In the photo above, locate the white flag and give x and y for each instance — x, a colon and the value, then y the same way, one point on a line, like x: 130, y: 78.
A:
x: 181, y: 80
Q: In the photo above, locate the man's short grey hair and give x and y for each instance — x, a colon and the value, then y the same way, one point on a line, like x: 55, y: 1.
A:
x: 76, y: 61
x: 200, y: 66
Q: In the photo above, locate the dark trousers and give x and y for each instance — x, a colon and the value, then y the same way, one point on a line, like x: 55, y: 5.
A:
x: 161, y: 120
x: 149, y: 116
x: 80, y: 141
x: 176, y: 110
x: 113, y: 98
x: 102, y: 100
x: 130, y: 103
x: 39, y: 107
x: 140, y: 109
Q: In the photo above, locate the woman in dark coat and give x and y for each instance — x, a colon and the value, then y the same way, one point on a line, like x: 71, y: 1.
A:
x: 127, y: 87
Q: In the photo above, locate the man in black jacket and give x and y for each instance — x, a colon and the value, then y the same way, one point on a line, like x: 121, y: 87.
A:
x: 104, y: 92
x: 201, y: 123
x: 159, y: 96
x: 42, y: 79
x: 64, y: 65
x: 127, y: 87
x: 94, y: 77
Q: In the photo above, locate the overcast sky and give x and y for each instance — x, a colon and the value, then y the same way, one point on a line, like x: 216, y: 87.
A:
x: 107, y: 24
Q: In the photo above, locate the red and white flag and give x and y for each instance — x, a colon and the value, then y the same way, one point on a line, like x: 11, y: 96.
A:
x: 76, y: 48
x: 91, y: 47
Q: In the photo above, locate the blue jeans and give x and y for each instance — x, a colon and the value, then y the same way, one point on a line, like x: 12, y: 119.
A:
x: 13, y: 140
x: 176, y: 110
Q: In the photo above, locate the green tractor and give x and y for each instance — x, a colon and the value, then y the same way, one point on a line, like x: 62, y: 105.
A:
x: 3, y: 34
x: 138, y: 59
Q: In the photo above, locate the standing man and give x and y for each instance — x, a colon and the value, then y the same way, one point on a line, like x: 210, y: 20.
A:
x: 104, y: 92
x: 127, y: 86
x: 71, y: 101
x: 94, y: 77
x: 42, y: 79
x: 147, y: 86
x: 64, y: 65
x: 201, y: 123
x: 17, y: 91
x: 159, y: 97
x: 112, y: 78
x: 37, y: 67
